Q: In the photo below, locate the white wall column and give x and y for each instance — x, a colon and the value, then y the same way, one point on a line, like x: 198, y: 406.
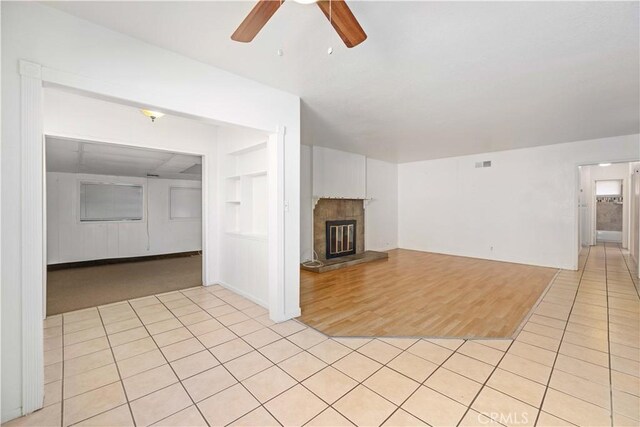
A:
x: 32, y: 232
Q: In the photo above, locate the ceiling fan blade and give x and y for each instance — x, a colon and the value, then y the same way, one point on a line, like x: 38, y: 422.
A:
x: 343, y: 21
x: 255, y: 20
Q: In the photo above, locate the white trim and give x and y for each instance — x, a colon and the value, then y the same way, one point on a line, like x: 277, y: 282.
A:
x: 243, y: 293
x: 275, y: 245
x: 32, y: 236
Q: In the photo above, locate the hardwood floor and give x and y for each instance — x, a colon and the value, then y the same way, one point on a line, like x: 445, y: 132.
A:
x: 422, y: 294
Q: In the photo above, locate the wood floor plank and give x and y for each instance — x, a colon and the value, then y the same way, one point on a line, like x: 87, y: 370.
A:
x: 422, y: 294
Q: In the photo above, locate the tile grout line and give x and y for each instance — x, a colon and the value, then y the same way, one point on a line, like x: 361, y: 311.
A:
x: 206, y: 349
x: 115, y: 362
x: 225, y: 368
x: 526, y: 318
x: 117, y: 370
x: 484, y: 384
x: 361, y: 383
x: 421, y: 384
x: 606, y: 284
x: 168, y: 364
x: 584, y: 268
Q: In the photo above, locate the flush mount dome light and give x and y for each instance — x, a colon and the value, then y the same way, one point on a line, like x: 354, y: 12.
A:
x: 153, y: 115
x: 604, y: 164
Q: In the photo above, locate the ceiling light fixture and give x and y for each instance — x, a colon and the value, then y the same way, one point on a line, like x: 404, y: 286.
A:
x: 306, y: 1
x: 153, y: 115
x: 604, y: 164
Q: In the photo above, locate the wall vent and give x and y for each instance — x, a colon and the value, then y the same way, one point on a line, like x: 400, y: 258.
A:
x: 484, y: 164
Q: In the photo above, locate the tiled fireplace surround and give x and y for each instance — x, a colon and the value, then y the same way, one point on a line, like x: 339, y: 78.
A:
x: 337, y: 209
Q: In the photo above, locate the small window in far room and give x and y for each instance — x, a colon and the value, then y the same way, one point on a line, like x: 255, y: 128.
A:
x: 185, y: 203
x: 609, y: 188
x: 110, y: 202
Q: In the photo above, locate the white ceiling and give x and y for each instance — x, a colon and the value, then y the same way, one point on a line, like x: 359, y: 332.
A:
x: 434, y: 79
x: 75, y: 156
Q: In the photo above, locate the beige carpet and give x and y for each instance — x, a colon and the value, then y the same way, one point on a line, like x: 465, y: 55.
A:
x: 77, y: 288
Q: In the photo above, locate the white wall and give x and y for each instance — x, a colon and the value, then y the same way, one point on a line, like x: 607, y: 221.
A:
x: 584, y: 211
x: 338, y: 174
x: 91, y: 58
x: 69, y: 240
x: 522, y: 209
x: 588, y: 175
x: 379, y: 183
x: 381, y: 212
x: 634, y: 214
x: 306, y: 203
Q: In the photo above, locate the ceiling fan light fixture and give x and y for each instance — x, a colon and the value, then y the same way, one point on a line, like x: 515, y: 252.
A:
x: 306, y: 1
x: 153, y: 115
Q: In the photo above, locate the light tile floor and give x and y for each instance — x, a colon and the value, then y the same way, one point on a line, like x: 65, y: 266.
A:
x: 206, y: 356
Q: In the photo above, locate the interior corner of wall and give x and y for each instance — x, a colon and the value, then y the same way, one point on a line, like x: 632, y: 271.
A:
x: 8, y: 415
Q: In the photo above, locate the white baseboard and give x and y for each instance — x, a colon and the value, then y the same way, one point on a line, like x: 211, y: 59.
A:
x: 243, y: 293
x: 288, y: 316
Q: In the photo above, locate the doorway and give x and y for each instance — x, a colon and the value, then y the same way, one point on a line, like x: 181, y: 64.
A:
x: 604, y: 204
x: 122, y: 223
x: 609, y: 210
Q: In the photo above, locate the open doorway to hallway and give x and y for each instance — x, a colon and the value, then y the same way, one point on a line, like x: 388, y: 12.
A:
x: 609, y: 207
x: 122, y: 223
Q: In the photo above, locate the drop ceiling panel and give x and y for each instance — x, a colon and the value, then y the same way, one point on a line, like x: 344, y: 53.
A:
x: 74, y: 156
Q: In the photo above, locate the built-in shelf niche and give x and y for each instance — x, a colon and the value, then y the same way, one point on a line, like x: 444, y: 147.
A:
x: 245, y: 191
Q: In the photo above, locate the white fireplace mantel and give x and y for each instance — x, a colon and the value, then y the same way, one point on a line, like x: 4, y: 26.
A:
x: 365, y: 201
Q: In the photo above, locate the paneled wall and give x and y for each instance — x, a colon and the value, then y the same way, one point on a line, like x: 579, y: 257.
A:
x: 69, y: 240
x: 339, y: 174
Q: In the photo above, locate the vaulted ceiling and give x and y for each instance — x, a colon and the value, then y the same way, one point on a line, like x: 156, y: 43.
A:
x: 434, y: 79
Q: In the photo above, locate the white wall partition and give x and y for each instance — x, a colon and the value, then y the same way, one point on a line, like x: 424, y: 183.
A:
x: 67, y: 51
x: 70, y: 240
x: 521, y: 209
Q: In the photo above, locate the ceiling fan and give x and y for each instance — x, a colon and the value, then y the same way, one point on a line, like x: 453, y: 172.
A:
x: 336, y: 11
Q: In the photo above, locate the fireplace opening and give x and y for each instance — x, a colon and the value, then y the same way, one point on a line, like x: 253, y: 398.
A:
x: 341, y: 238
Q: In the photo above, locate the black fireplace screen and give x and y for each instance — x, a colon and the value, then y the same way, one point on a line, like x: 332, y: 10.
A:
x: 341, y: 238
